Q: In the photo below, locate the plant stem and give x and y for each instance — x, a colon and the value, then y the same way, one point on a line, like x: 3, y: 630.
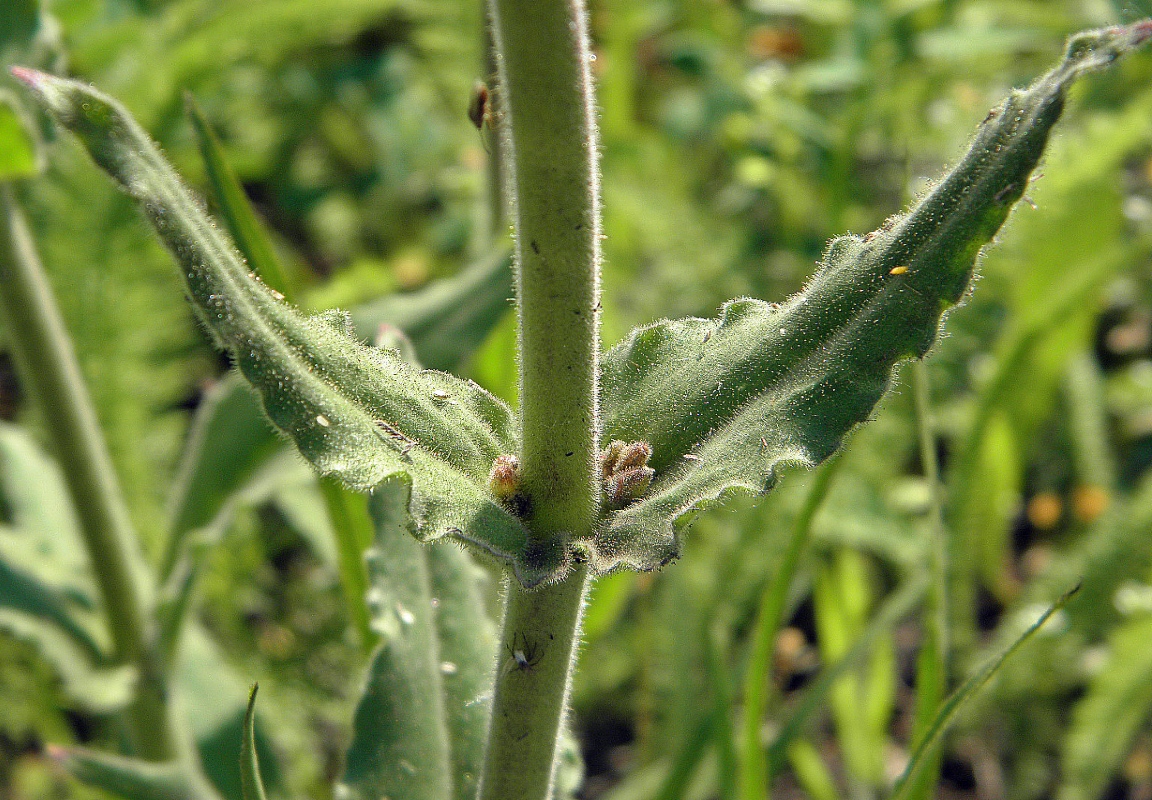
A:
x: 533, y: 673
x: 548, y: 131
x: 547, y: 120
x: 47, y: 366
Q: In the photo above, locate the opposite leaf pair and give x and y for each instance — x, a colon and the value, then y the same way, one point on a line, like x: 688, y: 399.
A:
x: 720, y: 403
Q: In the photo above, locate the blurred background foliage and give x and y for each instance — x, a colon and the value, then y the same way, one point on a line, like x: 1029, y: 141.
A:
x: 737, y: 138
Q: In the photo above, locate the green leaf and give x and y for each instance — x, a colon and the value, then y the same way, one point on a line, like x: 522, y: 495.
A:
x: 769, y: 619
x: 449, y: 319
x: 352, y: 533
x: 19, y: 22
x: 895, y: 607
x: 22, y: 592
x: 400, y: 741
x: 1105, y: 722
x: 861, y: 702
x: 947, y: 713
x: 130, y: 778
x: 46, y: 592
x: 357, y: 413
x: 43, y: 536
x: 251, y: 781
x: 89, y: 682
x: 214, y: 696
x: 18, y: 154
x: 724, y: 402
x: 467, y: 638
x: 229, y: 441
x: 30, y: 35
x: 985, y: 521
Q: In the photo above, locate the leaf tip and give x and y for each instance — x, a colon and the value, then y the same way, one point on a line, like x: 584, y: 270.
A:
x: 27, y: 76
x: 58, y: 754
x: 1095, y: 49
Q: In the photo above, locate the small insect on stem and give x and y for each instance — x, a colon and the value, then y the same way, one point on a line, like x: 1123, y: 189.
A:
x: 478, y: 109
x: 525, y: 655
x: 480, y: 112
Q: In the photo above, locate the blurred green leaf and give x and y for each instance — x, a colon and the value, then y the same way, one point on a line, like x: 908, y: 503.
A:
x: 994, y: 501
x: 247, y: 231
x: 19, y: 22
x: 214, y: 695
x: 88, y: 682
x: 352, y: 532
x: 895, y: 607
x: 46, y: 592
x: 449, y: 319
x: 129, y: 778
x: 467, y: 651
x: 229, y: 441
x: 401, y: 745
x: 23, y: 593
x: 1106, y: 720
x: 17, y: 146
x: 42, y: 535
x: 861, y: 701
x: 769, y: 620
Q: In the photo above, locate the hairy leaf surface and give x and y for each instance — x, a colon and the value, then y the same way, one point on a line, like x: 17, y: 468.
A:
x: 724, y: 402
x: 400, y: 739
x: 357, y: 413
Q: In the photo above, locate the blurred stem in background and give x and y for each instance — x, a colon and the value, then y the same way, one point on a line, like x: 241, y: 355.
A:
x: 47, y: 365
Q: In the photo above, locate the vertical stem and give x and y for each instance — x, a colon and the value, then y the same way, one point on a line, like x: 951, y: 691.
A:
x: 546, y: 105
x: 533, y: 675
x: 47, y: 366
x: 548, y: 132
x: 496, y: 210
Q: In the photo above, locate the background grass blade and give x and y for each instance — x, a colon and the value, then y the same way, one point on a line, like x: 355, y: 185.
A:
x: 952, y: 706
x: 251, y: 781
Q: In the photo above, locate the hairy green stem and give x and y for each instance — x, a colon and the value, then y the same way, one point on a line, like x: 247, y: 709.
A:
x: 533, y: 673
x: 549, y: 139
x: 47, y: 366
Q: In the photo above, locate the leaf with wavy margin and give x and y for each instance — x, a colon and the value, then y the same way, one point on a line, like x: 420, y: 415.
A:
x: 725, y: 402
x: 357, y: 413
